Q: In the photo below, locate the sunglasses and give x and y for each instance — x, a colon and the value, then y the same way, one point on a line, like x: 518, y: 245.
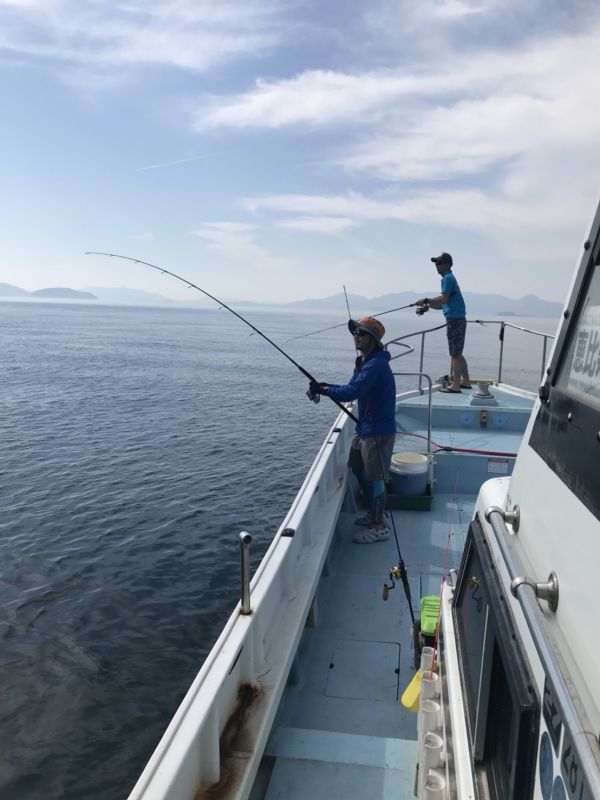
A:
x: 359, y: 334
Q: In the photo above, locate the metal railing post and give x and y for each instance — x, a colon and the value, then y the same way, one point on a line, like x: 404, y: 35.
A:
x: 429, y: 409
x: 501, y: 336
x: 421, y: 364
x: 245, y: 540
x: 544, y: 358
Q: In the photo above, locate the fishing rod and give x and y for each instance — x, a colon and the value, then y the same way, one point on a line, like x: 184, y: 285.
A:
x: 191, y: 285
x: 341, y: 324
x: 358, y: 355
x: 347, y: 303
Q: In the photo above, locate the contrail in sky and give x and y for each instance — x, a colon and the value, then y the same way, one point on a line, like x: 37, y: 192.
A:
x: 171, y: 163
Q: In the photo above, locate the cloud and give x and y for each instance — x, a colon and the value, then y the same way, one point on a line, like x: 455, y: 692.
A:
x: 491, y: 93
x: 498, y: 142
x: 318, y: 224
x: 235, y: 241
x: 512, y: 107
x: 526, y: 226
x: 189, y: 34
x: 314, y: 98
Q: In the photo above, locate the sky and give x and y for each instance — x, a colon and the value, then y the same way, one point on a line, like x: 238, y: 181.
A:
x: 276, y: 150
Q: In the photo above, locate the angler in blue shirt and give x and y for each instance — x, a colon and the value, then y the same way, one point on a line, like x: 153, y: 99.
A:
x: 374, y: 386
x: 451, y: 302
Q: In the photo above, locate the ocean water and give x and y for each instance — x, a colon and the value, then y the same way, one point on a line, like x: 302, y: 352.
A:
x: 136, y: 443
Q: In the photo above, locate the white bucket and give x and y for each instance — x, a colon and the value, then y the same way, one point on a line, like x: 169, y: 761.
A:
x: 408, y: 473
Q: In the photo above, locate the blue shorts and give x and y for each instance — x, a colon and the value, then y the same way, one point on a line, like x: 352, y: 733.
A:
x: 456, y: 329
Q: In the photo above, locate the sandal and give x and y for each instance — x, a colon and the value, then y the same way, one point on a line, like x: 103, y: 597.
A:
x: 446, y: 390
x: 367, y: 519
x: 372, y: 535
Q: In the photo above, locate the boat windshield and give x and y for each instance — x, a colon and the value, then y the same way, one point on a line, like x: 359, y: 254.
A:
x: 580, y: 371
x: 565, y: 431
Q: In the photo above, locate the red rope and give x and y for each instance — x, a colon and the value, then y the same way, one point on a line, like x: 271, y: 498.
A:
x: 444, y: 573
x: 448, y: 449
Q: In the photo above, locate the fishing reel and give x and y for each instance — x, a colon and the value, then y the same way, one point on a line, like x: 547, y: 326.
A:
x: 397, y: 573
x: 421, y: 310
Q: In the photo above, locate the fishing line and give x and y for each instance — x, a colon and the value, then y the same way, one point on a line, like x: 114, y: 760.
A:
x: 220, y: 303
x: 444, y: 573
x: 341, y: 324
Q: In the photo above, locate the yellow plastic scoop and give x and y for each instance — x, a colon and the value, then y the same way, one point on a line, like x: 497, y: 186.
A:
x: 412, y: 693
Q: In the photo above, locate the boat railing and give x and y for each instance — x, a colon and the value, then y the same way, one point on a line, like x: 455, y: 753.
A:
x: 422, y: 375
x: 400, y: 341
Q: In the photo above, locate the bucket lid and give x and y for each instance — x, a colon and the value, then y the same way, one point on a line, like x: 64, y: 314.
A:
x: 409, y: 458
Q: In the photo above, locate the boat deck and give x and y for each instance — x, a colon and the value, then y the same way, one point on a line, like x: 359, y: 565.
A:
x: 341, y: 730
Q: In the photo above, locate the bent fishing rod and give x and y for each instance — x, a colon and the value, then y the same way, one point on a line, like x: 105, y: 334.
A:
x: 341, y: 324
x: 191, y: 285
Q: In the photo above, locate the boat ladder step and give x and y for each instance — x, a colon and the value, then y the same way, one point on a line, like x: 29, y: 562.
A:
x: 342, y: 748
x: 326, y: 765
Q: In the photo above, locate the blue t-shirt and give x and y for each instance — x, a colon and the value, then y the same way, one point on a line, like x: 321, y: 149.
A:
x: 455, y: 307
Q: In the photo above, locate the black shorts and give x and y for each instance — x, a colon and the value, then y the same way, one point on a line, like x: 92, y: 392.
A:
x: 456, y: 329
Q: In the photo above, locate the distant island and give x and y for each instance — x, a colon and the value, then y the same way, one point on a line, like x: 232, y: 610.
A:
x: 480, y: 305
x: 54, y: 293
x: 63, y: 294
x: 8, y: 290
x: 477, y: 304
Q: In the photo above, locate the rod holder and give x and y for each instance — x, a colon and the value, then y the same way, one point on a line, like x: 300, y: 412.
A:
x: 543, y: 591
x: 245, y: 540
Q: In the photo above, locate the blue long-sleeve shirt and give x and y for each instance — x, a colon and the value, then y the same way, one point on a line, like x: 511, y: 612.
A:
x: 375, y: 388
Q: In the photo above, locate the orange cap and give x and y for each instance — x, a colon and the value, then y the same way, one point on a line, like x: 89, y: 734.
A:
x: 369, y: 325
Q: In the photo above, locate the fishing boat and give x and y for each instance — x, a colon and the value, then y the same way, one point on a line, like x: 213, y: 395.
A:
x: 458, y: 659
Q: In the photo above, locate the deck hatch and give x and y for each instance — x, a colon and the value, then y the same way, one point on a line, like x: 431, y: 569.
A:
x: 363, y: 670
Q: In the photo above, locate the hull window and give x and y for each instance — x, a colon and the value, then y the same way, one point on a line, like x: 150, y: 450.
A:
x: 503, y: 708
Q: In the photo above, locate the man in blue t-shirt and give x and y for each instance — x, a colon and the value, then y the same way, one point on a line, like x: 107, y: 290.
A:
x: 451, y: 302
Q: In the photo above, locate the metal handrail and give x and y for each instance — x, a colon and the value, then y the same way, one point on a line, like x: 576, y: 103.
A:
x: 578, y: 729
x: 429, y: 413
x: 409, y: 349
x: 245, y: 540
x: 504, y: 325
x: 399, y: 341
